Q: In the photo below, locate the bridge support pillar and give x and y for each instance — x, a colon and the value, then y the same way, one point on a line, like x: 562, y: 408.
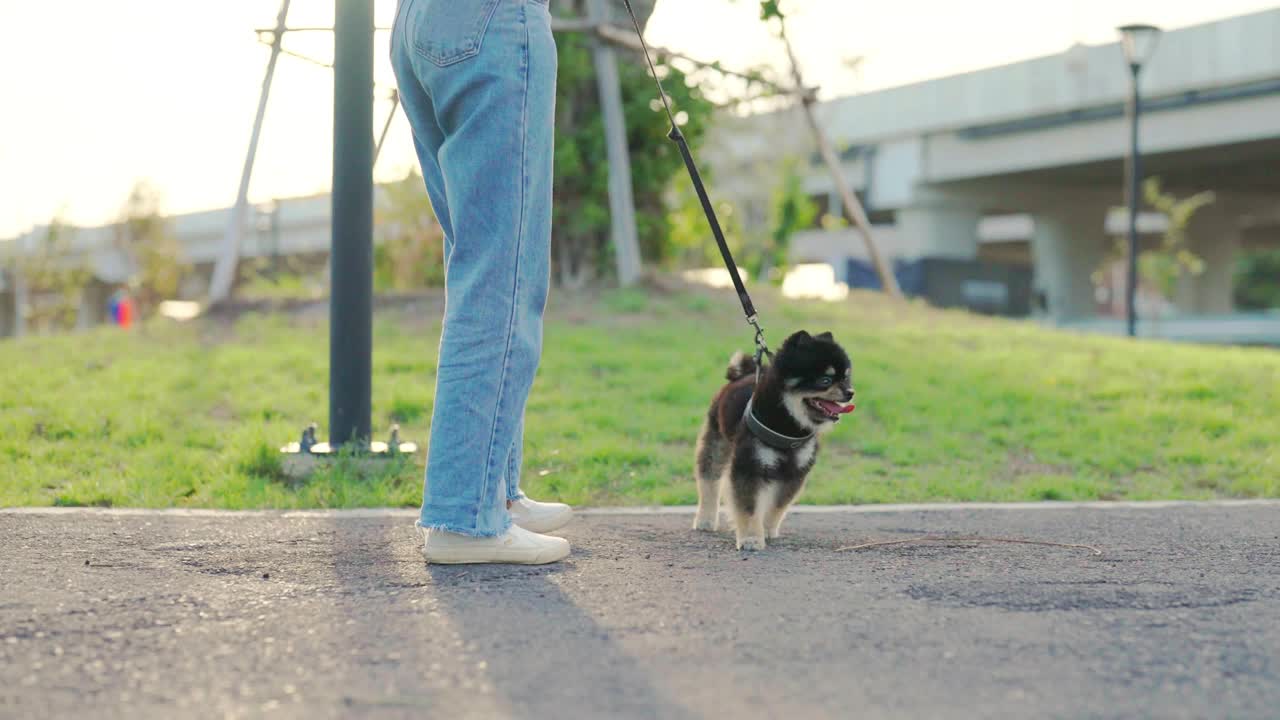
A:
x: 1214, y: 236
x: 1067, y: 246
x: 940, y: 229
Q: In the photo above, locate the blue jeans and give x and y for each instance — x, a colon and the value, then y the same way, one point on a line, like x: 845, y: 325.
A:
x: 477, y: 80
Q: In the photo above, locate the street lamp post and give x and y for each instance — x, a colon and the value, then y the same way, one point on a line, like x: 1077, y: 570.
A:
x: 1138, y: 41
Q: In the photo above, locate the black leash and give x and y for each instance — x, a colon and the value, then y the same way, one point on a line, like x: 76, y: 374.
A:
x: 762, y: 348
x: 760, y: 430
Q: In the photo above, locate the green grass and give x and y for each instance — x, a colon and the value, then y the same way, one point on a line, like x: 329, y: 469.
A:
x: 950, y: 407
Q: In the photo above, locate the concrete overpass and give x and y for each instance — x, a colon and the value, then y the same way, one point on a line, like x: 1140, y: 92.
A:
x: 1025, y: 162
x: 1021, y: 164
x: 292, y: 227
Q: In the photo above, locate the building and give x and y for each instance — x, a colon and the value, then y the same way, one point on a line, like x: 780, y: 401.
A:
x: 294, y: 228
x: 997, y: 189
x: 1015, y: 174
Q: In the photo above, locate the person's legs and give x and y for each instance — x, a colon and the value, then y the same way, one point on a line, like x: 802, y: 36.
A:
x: 515, y: 461
x: 428, y: 136
x: 539, y: 517
x: 482, y: 73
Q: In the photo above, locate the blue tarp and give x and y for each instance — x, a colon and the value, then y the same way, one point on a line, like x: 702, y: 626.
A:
x: 910, y: 276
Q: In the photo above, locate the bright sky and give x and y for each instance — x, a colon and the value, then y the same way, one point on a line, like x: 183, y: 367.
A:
x: 98, y: 95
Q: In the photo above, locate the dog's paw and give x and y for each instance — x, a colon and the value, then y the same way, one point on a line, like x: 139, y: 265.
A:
x: 751, y: 544
x: 775, y: 534
x: 704, y: 525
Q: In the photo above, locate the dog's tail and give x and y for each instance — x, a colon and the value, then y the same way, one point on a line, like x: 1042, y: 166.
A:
x: 740, y: 366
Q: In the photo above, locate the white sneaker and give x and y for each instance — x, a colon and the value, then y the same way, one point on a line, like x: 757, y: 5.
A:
x: 540, y: 517
x: 518, y: 546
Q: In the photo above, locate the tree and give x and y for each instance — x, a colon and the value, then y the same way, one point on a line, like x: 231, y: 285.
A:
x: 793, y: 91
x: 1257, y: 280
x: 792, y: 211
x: 691, y: 244
x: 147, y: 238
x: 1161, y: 267
x: 409, y: 242
x: 55, y: 283
x: 580, y: 243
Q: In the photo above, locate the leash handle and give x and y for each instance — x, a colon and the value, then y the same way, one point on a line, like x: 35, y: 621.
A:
x: 747, y: 306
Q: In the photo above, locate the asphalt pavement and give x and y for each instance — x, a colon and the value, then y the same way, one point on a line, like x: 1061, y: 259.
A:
x: 319, y: 616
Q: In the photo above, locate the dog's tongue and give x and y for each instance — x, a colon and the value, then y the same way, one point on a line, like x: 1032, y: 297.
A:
x: 835, y: 408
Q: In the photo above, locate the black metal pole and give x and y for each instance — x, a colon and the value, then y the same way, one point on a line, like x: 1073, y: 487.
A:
x: 351, y: 301
x: 1135, y: 178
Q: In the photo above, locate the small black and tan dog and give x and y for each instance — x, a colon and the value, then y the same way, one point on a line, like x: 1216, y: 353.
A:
x: 758, y: 443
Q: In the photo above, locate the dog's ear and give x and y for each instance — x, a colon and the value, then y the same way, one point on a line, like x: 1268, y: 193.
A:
x: 826, y: 336
x: 799, y: 338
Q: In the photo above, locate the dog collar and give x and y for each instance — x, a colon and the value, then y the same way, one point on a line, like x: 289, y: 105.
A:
x: 771, y: 437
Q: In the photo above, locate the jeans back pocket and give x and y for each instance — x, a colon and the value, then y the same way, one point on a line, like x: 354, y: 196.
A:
x: 449, y: 31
